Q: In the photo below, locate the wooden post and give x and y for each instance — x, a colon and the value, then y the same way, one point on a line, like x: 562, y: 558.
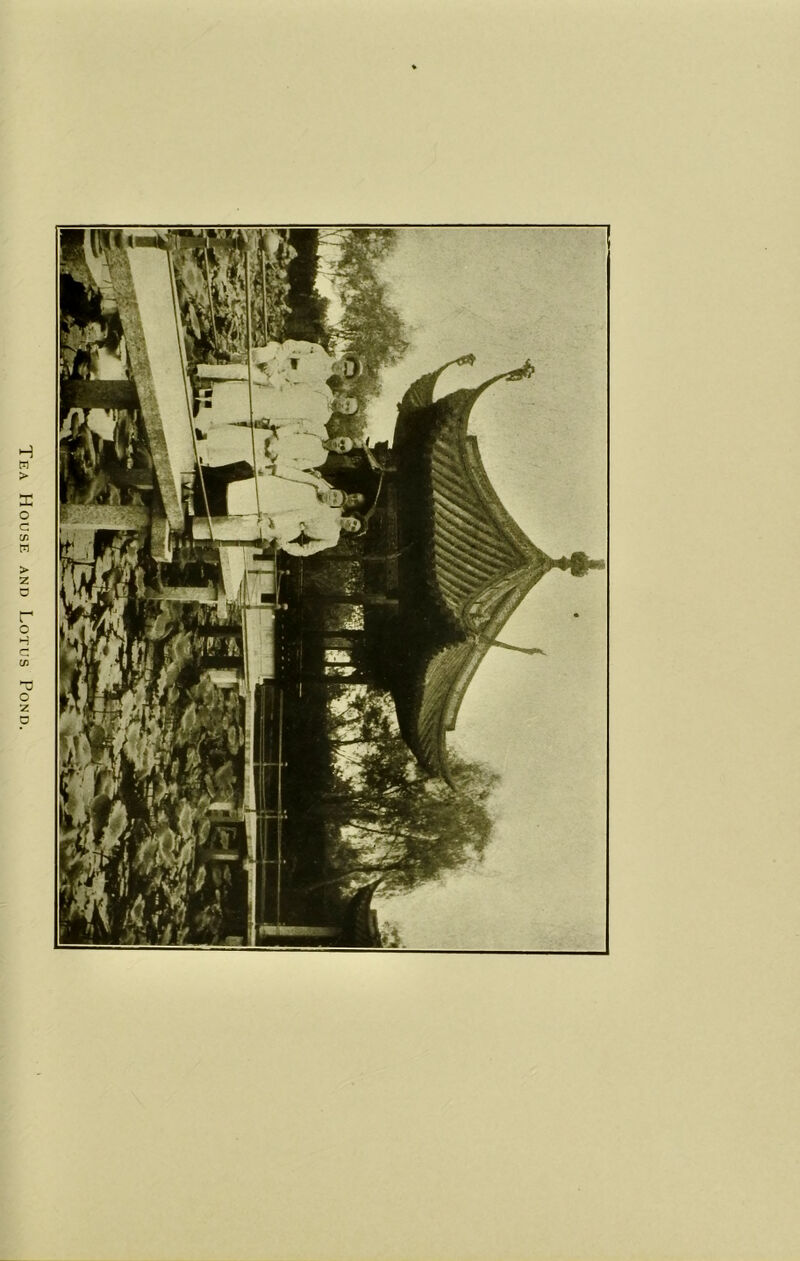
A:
x: 104, y: 516
x: 105, y: 394
x: 296, y: 932
x: 264, y: 288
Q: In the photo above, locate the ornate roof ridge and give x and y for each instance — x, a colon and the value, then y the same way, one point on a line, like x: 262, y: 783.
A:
x: 467, y: 656
x: 473, y: 530
x: 480, y: 646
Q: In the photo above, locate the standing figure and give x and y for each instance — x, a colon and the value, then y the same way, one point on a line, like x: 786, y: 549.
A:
x: 285, y: 363
x: 318, y: 533
x: 309, y: 406
x: 268, y: 450
x: 296, y: 510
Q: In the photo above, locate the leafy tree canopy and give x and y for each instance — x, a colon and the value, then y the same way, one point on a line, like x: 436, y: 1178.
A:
x: 369, y: 322
x: 391, y: 938
x: 391, y: 820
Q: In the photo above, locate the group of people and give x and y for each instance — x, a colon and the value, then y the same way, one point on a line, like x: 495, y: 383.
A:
x: 262, y: 474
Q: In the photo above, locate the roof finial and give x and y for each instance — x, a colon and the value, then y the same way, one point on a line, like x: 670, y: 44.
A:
x: 578, y: 564
x: 516, y: 374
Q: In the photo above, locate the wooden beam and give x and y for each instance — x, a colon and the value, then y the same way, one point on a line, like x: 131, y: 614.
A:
x: 227, y: 531
x: 311, y: 932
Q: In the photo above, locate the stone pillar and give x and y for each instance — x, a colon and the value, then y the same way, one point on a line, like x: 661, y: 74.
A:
x: 226, y: 531
x: 104, y: 516
x: 145, y: 309
x: 160, y: 536
x: 125, y: 238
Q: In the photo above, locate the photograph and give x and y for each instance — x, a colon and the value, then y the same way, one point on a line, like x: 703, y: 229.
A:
x: 333, y: 587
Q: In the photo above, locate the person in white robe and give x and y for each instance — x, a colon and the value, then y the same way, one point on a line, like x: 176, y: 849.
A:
x: 301, y: 512
x: 292, y: 448
x: 286, y: 363
x: 321, y: 531
x: 309, y: 406
x: 268, y: 450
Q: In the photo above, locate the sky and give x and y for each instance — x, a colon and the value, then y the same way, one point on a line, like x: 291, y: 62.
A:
x: 507, y: 295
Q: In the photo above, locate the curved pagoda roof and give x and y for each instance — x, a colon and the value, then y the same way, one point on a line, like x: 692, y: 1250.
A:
x: 465, y: 564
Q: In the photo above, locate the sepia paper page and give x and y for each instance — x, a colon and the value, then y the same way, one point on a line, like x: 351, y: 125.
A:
x: 260, y: 1104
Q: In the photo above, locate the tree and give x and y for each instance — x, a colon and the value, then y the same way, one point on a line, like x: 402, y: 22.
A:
x: 391, y: 938
x: 387, y: 818
x: 357, y: 247
x: 370, y: 322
